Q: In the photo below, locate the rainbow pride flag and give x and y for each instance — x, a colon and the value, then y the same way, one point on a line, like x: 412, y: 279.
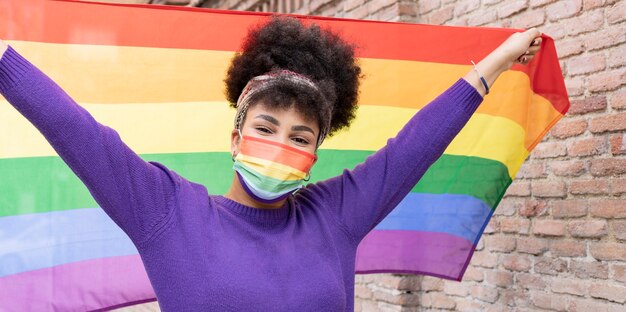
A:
x: 138, y: 67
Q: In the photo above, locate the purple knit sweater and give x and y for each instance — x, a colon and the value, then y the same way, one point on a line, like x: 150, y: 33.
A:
x: 205, y: 252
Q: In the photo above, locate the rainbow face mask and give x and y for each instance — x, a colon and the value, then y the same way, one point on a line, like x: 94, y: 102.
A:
x: 270, y: 171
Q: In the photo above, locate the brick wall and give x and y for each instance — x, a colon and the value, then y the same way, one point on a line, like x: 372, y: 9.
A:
x: 557, y: 240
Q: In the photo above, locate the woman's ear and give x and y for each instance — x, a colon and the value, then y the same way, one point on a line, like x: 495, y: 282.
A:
x: 235, y: 140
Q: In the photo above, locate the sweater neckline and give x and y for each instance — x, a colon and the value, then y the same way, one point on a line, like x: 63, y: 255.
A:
x: 261, y: 215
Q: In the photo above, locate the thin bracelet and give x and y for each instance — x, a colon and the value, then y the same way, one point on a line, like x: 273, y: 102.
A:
x: 481, y: 78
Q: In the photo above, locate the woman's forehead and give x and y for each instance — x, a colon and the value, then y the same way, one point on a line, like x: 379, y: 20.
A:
x: 289, y: 114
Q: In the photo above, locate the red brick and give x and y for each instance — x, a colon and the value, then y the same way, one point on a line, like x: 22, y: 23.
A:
x: 619, y: 229
x: 473, y: 274
x: 468, y: 305
x: 609, y: 292
x: 567, y: 168
x: 482, y: 18
x: 575, y: 86
x: 425, y: 6
x: 484, y: 293
x: 610, y: 122
x: 618, y: 186
x: 397, y: 281
x: 607, y: 208
x: 532, y: 245
x: 590, y: 4
x: 529, y: 19
x: 605, y: 37
x: 562, y: 9
x: 430, y: 283
x: 441, y: 301
x: 492, y: 227
x: 617, y: 57
x: 550, y: 266
x: 315, y: 5
x: 569, y: 47
x: 606, y: 80
x: 508, y: 206
x: 549, y: 150
x: 500, y: 243
x: 441, y: 16
x: 568, y: 128
x: 555, y: 30
x: 586, y: 305
x: 455, y: 289
x: 617, y: 13
x: 530, y: 281
x: 362, y: 291
x: 374, y: 6
x: 588, y: 228
x: 618, y: 98
x: 514, y: 225
x: 459, y: 21
x: 397, y: 299
x: 618, y: 144
x: 512, y: 7
x: 592, y: 21
x: 586, y: 270
x: 548, y: 188
x: 485, y: 259
x: 531, y: 171
x: 519, y: 263
x: 499, y: 278
x: 511, y: 297
x: 618, y: 272
x: 569, y: 286
x: 549, y: 301
x: 588, y: 146
x: 407, y: 9
x: 518, y: 188
x: 549, y: 227
x: 587, y: 104
x: 359, y: 12
x: 569, y: 208
x: 608, y: 251
x: 537, y: 3
x: 607, y: 167
x: 589, y: 187
x: 351, y: 4
x: 533, y: 208
x: 568, y: 248
x: 465, y: 6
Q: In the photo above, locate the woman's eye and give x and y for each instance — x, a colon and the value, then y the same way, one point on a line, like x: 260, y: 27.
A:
x: 262, y: 129
x: 301, y: 140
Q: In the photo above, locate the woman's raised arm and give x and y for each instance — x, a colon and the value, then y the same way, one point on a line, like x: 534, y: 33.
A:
x: 361, y: 198
x: 136, y: 194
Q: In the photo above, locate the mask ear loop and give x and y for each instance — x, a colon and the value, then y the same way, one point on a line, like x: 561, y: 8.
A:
x: 232, y: 157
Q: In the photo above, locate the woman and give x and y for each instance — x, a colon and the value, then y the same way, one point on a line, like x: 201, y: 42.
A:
x: 268, y: 244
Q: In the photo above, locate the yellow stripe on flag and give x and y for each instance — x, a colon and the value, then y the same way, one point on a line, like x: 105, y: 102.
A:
x: 201, y: 127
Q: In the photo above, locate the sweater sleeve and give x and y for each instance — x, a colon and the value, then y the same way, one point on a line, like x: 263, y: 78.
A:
x: 137, y: 195
x: 361, y: 198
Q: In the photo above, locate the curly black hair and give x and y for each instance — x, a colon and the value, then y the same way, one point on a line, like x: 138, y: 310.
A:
x: 284, y: 42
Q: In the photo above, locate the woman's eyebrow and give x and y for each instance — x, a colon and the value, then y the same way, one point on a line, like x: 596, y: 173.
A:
x: 302, y: 128
x: 269, y: 118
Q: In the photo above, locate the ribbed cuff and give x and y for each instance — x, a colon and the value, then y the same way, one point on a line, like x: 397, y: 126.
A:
x: 13, y: 67
x: 465, y: 95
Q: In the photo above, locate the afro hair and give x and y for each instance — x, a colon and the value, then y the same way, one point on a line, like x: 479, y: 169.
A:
x: 283, y: 42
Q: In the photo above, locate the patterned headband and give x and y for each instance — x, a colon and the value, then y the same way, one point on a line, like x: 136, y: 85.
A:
x: 270, y: 79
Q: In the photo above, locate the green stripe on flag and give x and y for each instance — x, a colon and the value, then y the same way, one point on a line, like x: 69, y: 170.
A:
x: 41, y: 184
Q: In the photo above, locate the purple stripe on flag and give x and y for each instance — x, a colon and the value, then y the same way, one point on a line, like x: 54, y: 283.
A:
x: 85, y: 285
x: 439, y: 254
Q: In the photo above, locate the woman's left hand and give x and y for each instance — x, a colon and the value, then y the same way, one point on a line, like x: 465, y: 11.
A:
x: 520, y: 47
